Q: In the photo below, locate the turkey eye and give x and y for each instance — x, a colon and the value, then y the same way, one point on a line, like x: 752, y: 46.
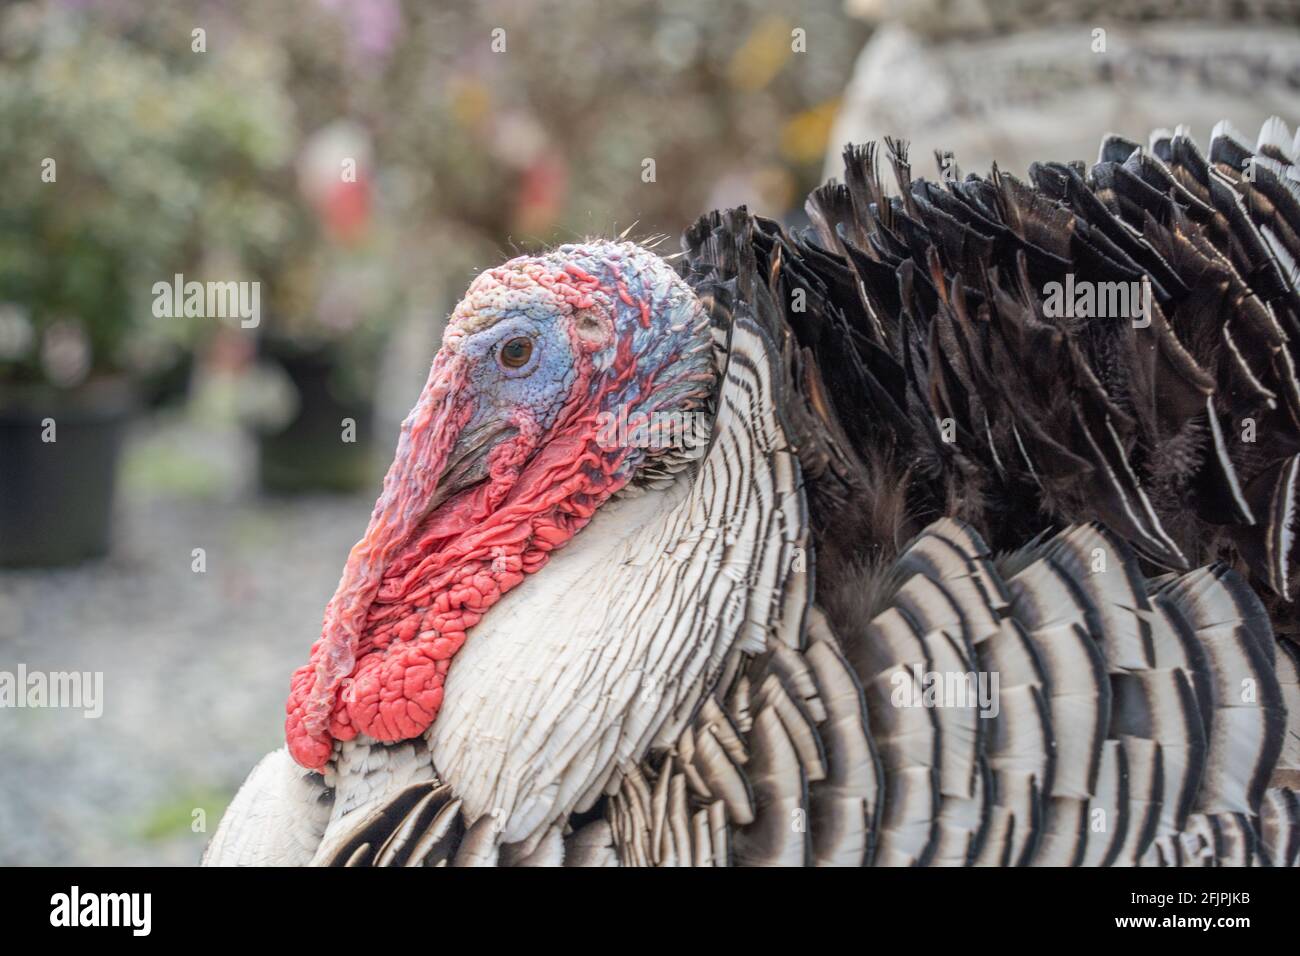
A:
x: 515, y: 353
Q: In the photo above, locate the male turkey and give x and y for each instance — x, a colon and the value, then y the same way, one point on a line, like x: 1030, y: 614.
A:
x: 962, y: 575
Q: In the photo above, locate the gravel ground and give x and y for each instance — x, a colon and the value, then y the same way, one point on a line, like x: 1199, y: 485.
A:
x: 195, y: 665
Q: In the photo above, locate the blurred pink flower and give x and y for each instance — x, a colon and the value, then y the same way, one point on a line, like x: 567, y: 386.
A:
x: 346, y: 210
x: 541, y: 195
x: 334, y: 175
x: 372, y: 26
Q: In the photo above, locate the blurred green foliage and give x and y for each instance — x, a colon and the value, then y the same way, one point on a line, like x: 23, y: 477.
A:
x: 120, y: 168
x: 176, y: 817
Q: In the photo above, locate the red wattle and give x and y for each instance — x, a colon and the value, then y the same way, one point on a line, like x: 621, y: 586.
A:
x: 460, y: 564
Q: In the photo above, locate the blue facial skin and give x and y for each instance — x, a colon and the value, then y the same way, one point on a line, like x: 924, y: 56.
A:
x: 535, y: 391
x: 673, y: 354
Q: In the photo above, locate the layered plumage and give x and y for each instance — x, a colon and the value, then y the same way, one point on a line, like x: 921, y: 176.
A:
x: 988, y: 573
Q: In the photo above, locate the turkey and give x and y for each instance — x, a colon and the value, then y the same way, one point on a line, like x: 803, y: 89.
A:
x: 957, y: 528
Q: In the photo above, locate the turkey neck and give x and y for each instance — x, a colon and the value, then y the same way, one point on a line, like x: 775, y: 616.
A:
x: 582, y: 670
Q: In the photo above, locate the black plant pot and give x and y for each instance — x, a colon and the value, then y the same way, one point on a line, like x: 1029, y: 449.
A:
x: 309, y: 453
x: 56, y: 497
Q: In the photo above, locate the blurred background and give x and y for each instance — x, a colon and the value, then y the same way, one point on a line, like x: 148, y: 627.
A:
x: 178, y: 493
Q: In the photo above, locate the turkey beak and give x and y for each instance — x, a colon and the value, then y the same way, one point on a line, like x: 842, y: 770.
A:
x: 430, y: 457
x: 467, y: 464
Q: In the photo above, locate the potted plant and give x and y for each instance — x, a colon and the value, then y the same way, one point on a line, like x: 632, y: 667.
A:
x: 325, y: 350
x: 333, y: 293
x: 121, y: 168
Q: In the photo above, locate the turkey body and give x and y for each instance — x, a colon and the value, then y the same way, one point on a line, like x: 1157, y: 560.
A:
x: 964, y: 577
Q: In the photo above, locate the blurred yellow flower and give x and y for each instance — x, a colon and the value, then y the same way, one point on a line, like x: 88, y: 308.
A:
x: 804, y: 135
x: 762, y: 55
x: 471, y: 102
